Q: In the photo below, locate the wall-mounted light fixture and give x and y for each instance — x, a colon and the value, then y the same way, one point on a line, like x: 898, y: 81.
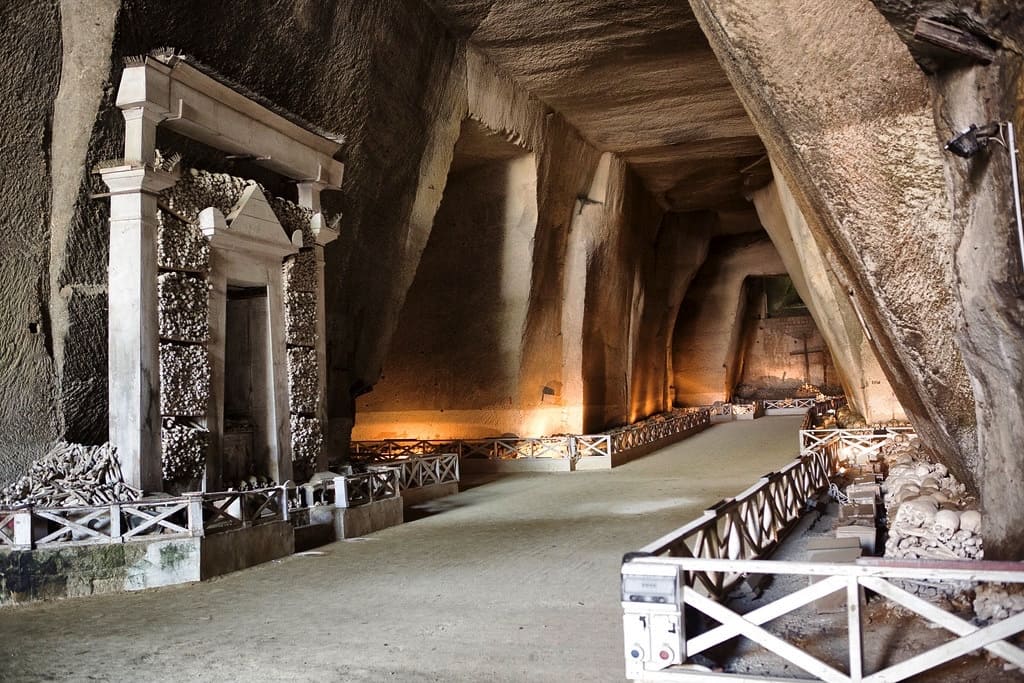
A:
x: 975, y: 138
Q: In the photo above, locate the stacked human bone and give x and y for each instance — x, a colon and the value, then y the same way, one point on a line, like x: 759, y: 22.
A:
x: 184, y: 450
x: 183, y: 290
x: 71, y: 475
x: 930, y: 515
x: 300, y: 302
x: 997, y: 601
x: 307, y: 442
x: 303, y: 385
x: 183, y: 305
x: 184, y: 379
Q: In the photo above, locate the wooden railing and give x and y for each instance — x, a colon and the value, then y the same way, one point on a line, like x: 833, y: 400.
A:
x: 353, y: 490
x: 570, y: 446
x: 869, y: 573
x: 425, y: 470
x: 750, y: 525
x: 859, y: 444
x: 786, y: 403
x: 195, y: 514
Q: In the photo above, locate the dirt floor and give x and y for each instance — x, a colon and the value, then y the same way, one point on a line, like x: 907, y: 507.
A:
x: 514, y: 579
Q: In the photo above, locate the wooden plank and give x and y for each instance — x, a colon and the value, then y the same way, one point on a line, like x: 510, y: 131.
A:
x: 953, y: 39
x: 856, y: 636
x: 769, y: 612
x: 773, y: 643
x: 949, y: 651
x: 937, y: 615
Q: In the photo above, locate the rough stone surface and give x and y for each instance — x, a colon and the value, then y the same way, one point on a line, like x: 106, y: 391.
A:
x: 303, y: 387
x: 181, y: 245
x: 28, y: 83
x: 300, y: 272
x: 184, y: 379
x: 183, y: 307
x: 300, y: 318
x: 868, y: 172
x: 708, y: 336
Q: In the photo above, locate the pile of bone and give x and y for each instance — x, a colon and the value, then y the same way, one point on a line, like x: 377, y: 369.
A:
x: 300, y: 272
x: 181, y: 246
x: 300, y: 318
x: 183, y: 307
x: 254, y: 483
x: 293, y: 217
x: 71, y: 475
x: 997, y: 601
x: 848, y: 418
x: 303, y: 385
x: 184, y: 379
x: 184, y: 451
x: 198, y: 190
x: 931, y: 517
x: 307, y: 439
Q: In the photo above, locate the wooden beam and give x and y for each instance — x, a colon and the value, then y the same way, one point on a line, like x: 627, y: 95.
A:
x: 953, y: 39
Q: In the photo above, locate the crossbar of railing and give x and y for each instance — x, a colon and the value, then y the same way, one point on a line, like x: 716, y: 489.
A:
x: 751, y: 524
x: 873, y: 574
x: 570, y: 446
x: 194, y: 514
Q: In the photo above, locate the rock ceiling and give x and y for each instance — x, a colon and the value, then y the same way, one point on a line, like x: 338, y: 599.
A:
x: 636, y: 78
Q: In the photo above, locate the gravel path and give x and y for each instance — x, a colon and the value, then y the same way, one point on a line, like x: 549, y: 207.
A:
x: 512, y: 580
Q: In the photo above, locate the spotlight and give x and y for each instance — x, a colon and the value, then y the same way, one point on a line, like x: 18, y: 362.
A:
x: 973, y: 139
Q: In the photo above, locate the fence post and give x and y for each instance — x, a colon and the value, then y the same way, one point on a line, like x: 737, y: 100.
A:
x: 115, y: 523
x: 283, y: 500
x: 340, y: 492
x: 23, y: 529
x: 195, y: 514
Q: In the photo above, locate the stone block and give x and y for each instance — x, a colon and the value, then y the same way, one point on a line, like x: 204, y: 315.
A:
x: 365, y: 519
x: 867, y: 536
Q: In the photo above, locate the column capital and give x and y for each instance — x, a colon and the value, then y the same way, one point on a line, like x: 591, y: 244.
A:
x: 132, y: 178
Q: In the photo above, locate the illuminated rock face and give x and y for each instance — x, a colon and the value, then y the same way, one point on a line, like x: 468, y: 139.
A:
x: 708, y: 340
x: 837, y: 319
x: 634, y: 119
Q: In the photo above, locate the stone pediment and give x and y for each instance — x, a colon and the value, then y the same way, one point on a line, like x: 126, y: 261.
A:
x: 251, y: 226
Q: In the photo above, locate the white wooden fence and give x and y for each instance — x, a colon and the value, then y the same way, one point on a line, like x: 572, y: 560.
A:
x: 194, y: 514
x: 569, y: 446
x: 717, y: 550
x: 751, y: 524
x: 870, y: 573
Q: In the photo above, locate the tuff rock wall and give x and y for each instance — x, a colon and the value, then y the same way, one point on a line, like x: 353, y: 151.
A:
x: 708, y: 341
x: 864, y: 383
x: 924, y: 239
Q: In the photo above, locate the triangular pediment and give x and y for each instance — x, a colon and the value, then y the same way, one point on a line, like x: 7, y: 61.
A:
x: 252, y: 217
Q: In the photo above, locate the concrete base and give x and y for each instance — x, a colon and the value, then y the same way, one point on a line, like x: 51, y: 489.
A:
x: 74, y: 571
x: 233, y: 550
x: 721, y: 418
x: 485, y: 466
x: 422, y: 494
x: 365, y: 519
